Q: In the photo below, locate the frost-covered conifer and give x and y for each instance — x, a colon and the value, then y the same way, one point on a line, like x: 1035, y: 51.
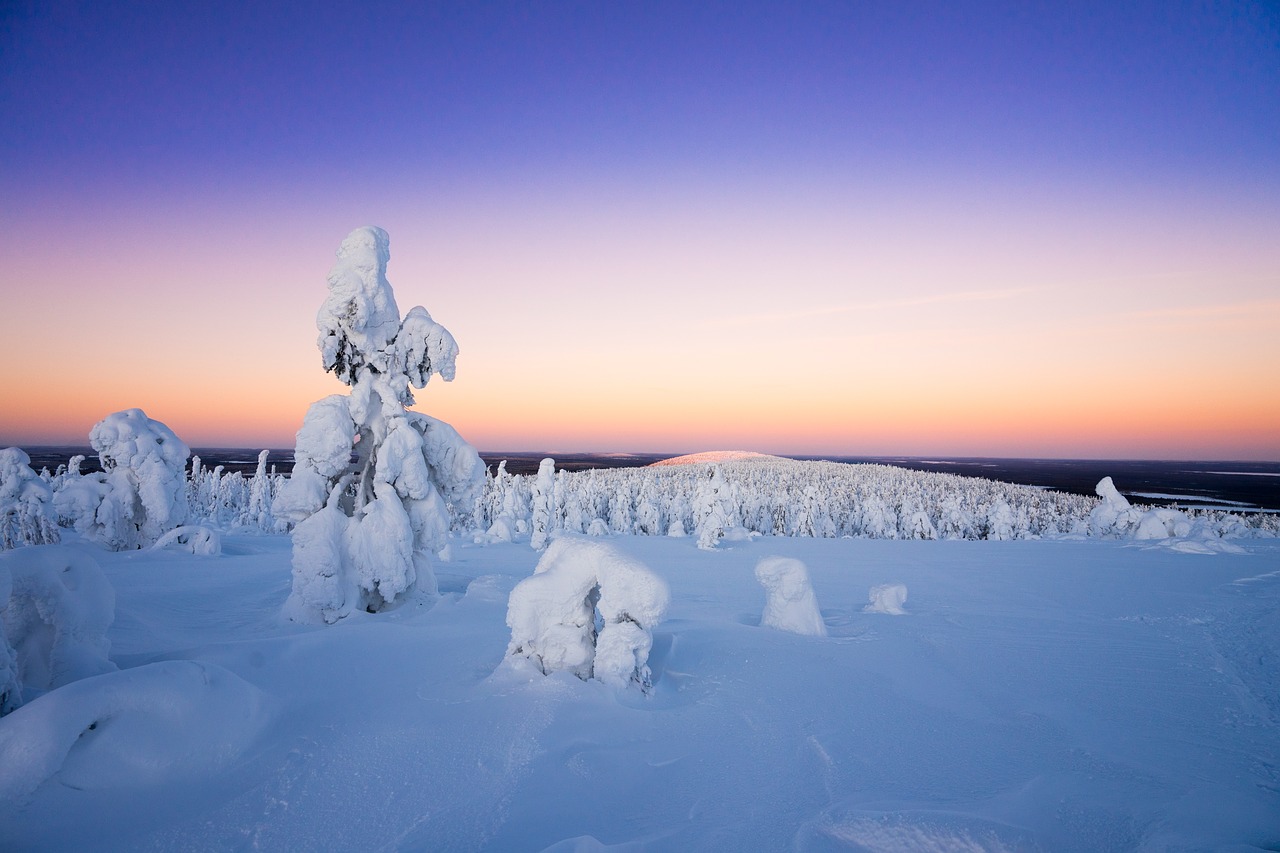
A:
x: 1115, y: 515
x: 543, y: 502
x: 141, y: 492
x: 714, y: 509
x: 26, y: 503
x: 373, y: 482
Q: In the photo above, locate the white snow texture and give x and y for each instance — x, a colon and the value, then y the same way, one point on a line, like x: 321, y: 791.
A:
x: 552, y: 614
x: 790, y: 604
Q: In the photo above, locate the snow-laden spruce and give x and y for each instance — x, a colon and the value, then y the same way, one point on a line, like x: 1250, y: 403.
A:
x: 141, y: 491
x: 27, y: 515
x: 55, y: 608
x: 790, y: 604
x: 553, y: 614
x: 728, y: 499
x: 373, y: 483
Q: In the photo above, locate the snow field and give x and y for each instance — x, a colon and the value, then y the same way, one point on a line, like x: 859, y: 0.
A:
x: 1071, y: 695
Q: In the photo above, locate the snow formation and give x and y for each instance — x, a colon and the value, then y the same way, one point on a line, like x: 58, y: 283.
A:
x: 373, y: 483
x: 888, y: 599
x: 141, y: 492
x: 790, y: 604
x: 55, y: 608
x: 553, y: 614
x: 26, y: 503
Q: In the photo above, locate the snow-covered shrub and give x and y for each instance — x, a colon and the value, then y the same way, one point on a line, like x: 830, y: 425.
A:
x: 26, y: 503
x: 194, y: 538
x: 1162, y: 523
x: 553, y: 614
x: 888, y: 599
x: 55, y: 608
x: 713, y: 509
x: 373, y: 483
x: 790, y: 604
x: 141, y: 491
x: 1115, y: 515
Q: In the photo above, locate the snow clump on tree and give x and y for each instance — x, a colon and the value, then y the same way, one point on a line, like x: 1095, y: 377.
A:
x: 553, y: 614
x: 26, y: 503
x: 140, y: 492
x: 365, y: 529
x: 790, y: 604
x: 888, y: 599
x: 55, y: 608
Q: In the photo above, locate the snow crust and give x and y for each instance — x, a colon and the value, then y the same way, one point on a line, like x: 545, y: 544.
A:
x: 1068, y: 695
x: 790, y: 604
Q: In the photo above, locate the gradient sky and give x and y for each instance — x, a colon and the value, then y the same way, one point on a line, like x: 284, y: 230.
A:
x: 1005, y: 229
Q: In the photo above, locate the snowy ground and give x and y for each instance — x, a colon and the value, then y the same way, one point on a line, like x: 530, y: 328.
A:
x: 1056, y: 695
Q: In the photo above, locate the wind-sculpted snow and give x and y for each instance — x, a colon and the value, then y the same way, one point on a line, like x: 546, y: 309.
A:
x: 55, y: 608
x: 782, y: 497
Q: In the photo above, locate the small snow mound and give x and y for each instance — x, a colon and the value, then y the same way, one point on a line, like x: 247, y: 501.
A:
x: 712, y: 456
x: 193, y: 538
x: 790, y: 604
x: 888, y: 599
x: 923, y: 831
x: 137, y: 727
x: 55, y: 608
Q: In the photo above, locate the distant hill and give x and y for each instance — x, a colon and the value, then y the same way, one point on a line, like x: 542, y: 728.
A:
x: 712, y: 456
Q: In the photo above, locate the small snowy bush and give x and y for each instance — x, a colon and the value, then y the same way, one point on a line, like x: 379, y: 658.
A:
x: 790, y: 604
x: 888, y: 599
x: 553, y: 614
x: 26, y: 503
x: 373, y: 483
x: 141, y: 491
x: 55, y: 608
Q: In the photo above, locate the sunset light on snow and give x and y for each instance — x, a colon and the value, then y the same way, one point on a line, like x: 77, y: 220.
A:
x: 844, y: 230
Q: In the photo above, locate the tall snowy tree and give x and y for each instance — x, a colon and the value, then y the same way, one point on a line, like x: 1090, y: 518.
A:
x: 373, y: 482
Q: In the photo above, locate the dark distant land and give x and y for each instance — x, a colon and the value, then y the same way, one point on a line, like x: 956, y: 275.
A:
x: 1245, y: 486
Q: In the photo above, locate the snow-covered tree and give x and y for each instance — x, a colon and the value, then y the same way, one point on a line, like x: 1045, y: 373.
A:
x: 553, y: 614
x: 27, y: 516
x: 543, y: 504
x: 1115, y: 515
x: 790, y: 604
x: 373, y: 483
x: 141, y: 491
x: 55, y: 608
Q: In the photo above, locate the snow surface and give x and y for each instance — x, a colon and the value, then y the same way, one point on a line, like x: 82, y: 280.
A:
x: 1055, y: 695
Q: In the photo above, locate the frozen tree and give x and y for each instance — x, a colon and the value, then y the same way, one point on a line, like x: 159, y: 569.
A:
x: 258, y: 510
x: 373, y: 483
x: 1162, y: 523
x: 27, y: 515
x: 553, y: 614
x: 790, y: 604
x: 713, y: 507
x: 55, y: 608
x: 141, y: 492
x: 543, y: 500
x: 1115, y: 515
